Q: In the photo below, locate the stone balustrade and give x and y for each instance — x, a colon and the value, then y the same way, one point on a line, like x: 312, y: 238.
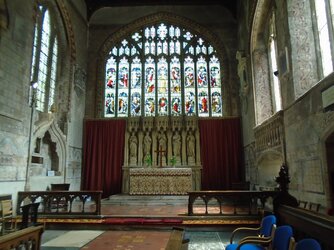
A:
x: 270, y: 133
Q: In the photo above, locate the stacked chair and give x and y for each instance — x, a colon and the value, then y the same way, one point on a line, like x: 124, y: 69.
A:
x: 305, y: 244
x: 265, y: 230
x: 279, y: 241
x: 270, y: 237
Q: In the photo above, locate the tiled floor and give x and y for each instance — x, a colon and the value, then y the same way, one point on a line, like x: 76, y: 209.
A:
x: 132, y: 240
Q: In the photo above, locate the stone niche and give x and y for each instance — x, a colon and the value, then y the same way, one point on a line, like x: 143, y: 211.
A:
x: 48, y: 155
x: 162, y: 142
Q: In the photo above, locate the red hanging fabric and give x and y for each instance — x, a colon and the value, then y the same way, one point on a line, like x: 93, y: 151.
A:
x: 103, y: 155
x: 221, y: 153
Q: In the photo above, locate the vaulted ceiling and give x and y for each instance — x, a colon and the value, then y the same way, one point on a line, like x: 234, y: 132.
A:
x: 93, y: 5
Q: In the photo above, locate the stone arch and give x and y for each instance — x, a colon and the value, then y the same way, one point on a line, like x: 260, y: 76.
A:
x: 67, y: 57
x: 151, y: 19
x: 260, y: 65
x: 327, y: 152
x: 269, y: 163
x: 47, y: 124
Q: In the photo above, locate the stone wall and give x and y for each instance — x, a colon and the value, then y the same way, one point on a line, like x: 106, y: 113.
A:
x: 64, y: 126
x: 306, y: 125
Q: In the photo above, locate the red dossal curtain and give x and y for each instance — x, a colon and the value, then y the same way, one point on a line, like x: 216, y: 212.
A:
x: 103, y: 156
x: 221, y: 153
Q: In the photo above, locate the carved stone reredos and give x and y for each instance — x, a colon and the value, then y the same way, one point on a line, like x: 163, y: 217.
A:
x: 147, y: 123
x: 161, y: 123
x: 176, y: 123
x: 133, y: 124
x: 191, y: 123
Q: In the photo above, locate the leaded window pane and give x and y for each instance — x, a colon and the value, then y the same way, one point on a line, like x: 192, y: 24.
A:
x: 169, y: 74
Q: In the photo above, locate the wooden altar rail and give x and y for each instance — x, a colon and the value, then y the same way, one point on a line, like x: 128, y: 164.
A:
x: 235, y: 198
x: 307, y: 224
x: 62, y: 202
x: 28, y: 238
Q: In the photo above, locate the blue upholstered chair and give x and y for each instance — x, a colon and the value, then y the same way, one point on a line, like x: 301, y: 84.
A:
x: 280, y: 241
x: 307, y: 244
x: 264, y: 229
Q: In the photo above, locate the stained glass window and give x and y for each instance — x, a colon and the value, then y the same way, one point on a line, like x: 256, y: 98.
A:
x: 44, y: 59
x: 163, y: 70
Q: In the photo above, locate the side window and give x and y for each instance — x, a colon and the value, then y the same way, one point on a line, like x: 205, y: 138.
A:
x: 324, y: 11
x: 44, y: 59
x: 274, y: 80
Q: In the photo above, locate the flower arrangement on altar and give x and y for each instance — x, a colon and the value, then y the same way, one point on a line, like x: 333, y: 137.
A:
x: 172, y: 161
x: 148, y: 160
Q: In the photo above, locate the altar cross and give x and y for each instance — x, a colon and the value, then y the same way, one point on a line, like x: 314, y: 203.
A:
x: 160, y: 153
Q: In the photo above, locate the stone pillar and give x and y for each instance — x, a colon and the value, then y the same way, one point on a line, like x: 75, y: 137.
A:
x: 154, y: 147
x: 184, y: 148
x: 169, y: 147
x: 262, y: 89
x: 140, y: 148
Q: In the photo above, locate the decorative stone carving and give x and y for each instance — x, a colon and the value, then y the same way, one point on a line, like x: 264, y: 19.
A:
x: 133, y: 144
x: 302, y: 46
x: 150, y: 138
x: 177, y: 147
x: 242, y: 73
x: 262, y: 91
x: 191, y: 148
x: 80, y: 77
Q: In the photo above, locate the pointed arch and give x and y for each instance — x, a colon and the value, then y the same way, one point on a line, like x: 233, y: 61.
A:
x: 161, y: 17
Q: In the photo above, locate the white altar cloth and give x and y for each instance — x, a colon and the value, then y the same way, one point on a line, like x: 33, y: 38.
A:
x: 176, y: 181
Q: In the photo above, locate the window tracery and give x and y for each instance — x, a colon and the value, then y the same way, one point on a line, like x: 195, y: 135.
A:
x: 163, y: 70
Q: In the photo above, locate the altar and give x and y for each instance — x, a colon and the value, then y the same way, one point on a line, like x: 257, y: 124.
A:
x: 167, y: 181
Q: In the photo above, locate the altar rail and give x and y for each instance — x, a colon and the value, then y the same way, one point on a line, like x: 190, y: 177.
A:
x: 231, y: 202
x: 28, y: 238
x: 62, y: 202
x: 307, y: 224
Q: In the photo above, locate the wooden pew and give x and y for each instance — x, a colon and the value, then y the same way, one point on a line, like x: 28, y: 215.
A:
x: 28, y: 238
x: 308, y: 224
x: 176, y: 240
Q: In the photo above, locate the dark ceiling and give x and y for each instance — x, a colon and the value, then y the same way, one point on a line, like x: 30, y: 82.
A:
x: 93, y: 5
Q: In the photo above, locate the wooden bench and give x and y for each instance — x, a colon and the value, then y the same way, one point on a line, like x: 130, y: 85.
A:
x: 176, y: 240
x: 6, y: 215
x: 28, y: 238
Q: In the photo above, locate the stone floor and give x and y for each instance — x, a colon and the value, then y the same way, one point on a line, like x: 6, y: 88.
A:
x: 133, y: 238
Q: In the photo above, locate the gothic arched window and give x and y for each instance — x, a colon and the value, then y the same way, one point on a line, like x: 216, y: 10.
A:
x: 44, y: 59
x: 163, y: 70
x: 274, y: 80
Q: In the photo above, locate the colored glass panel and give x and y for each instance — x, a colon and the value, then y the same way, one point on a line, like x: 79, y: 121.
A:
x: 109, y: 108
x: 123, y: 73
x: 175, y: 76
x: 189, y: 80
x: 203, y: 103
x: 162, y: 86
x: 150, y: 87
x: 216, y: 103
x: 122, y: 104
x: 135, y: 104
x: 214, y: 72
x: 190, y: 102
x: 136, y: 74
x: 165, y: 91
x: 202, y: 76
x: 149, y: 106
x: 111, y: 73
